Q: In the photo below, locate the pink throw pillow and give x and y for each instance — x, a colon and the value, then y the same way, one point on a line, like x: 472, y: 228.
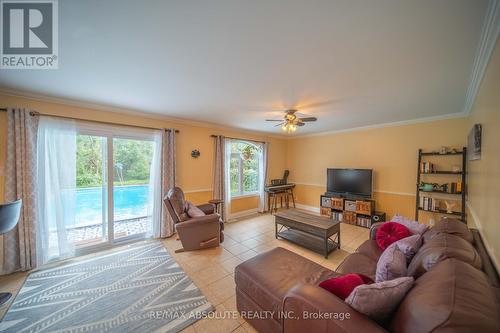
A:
x: 390, y: 232
x: 343, y: 285
x: 414, y: 227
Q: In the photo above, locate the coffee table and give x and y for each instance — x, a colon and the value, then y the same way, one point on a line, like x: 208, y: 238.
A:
x: 310, y: 231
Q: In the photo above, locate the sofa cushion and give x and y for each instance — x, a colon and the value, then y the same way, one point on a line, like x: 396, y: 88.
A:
x: 267, y: 277
x: 391, y: 264
x: 453, y: 297
x: 414, y: 227
x: 449, y: 226
x: 342, y: 286
x: 370, y: 249
x: 439, y: 248
x: 358, y: 263
x: 389, y: 233
x: 379, y: 300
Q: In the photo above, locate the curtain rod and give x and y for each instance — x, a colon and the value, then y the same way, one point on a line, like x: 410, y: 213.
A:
x: 214, y: 136
x: 94, y: 121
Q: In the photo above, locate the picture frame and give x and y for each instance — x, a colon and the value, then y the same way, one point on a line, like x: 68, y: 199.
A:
x: 474, y: 143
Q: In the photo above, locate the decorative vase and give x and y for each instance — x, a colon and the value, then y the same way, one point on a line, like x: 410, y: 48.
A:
x: 449, y: 206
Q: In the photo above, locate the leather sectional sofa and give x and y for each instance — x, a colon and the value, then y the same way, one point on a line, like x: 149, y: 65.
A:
x: 278, y: 291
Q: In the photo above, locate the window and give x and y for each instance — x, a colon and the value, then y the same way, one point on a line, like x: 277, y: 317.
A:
x: 244, y: 168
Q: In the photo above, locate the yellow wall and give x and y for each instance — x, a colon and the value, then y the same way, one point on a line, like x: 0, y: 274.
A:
x: 242, y: 204
x: 484, y: 174
x: 195, y: 176
x: 390, y: 151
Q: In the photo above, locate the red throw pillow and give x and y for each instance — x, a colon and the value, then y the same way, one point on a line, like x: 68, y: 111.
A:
x: 389, y: 233
x: 342, y: 286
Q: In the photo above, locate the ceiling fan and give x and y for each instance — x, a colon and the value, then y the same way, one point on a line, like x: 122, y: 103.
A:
x: 290, y: 121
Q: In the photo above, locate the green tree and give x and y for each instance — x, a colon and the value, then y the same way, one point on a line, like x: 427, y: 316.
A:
x: 131, y: 161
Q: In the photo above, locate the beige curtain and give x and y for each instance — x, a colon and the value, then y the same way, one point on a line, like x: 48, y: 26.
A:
x: 20, y: 183
x: 168, y: 170
x: 219, y: 188
x: 263, y: 165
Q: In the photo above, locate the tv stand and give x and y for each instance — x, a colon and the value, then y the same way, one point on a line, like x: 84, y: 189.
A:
x: 346, y: 196
x: 352, y: 209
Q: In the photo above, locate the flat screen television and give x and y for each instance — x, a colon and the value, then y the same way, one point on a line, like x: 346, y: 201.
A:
x: 350, y: 181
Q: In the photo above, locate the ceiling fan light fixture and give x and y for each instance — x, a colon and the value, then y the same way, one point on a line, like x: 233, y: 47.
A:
x: 289, y: 127
x: 290, y: 121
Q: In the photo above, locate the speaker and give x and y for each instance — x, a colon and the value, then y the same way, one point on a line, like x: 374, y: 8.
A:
x: 378, y: 217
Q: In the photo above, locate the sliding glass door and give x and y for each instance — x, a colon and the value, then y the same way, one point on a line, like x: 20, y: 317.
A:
x: 91, y: 227
x: 97, y: 186
x: 114, y: 190
x: 132, y: 160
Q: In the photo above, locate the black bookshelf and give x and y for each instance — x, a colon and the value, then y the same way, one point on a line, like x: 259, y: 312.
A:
x: 461, y: 214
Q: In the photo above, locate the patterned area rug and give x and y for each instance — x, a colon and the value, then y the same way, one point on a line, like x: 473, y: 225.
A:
x: 138, y: 289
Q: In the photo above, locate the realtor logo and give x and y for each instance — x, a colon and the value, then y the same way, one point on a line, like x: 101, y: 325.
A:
x: 29, y: 34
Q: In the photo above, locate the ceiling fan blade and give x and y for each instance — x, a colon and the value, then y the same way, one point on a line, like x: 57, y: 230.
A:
x: 300, y: 123
x: 308, y: 119
x: 280, y: 124
x: 274, y: 119
x: 319, y: 104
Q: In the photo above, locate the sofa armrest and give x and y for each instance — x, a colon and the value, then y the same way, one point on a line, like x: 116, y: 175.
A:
x: 308, y: 308
x: 196, y: 222
x: 207, y: 208
x: 374, y: 228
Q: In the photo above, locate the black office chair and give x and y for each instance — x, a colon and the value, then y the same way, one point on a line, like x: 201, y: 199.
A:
x: 9, y: 216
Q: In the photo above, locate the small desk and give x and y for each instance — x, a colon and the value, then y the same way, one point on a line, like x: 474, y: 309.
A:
x: 274, y: 191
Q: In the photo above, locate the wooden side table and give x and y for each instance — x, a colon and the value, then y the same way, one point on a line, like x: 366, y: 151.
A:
x: 219, y: 207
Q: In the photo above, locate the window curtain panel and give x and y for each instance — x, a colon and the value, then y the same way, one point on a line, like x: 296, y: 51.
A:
x: 56, y: 189
x: 219, y: 187
x: 227, y: 178
x: 19, y: 252
x: 263, y: 176
x: 164, y: 226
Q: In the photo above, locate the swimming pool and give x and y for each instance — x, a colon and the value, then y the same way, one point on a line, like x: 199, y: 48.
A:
x: 129, y: 202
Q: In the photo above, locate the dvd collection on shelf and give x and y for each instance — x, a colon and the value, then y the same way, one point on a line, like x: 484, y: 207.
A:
x: 428, y: 203
x: 426, y: 167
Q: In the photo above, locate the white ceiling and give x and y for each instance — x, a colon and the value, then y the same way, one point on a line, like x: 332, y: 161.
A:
x: 234, y: 62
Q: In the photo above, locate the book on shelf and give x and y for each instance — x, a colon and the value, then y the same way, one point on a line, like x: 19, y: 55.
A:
x: 427, y: 203
x: 337, y: 216
x: 363, y: 221
x: 426, y: 167
x: 454, y: 187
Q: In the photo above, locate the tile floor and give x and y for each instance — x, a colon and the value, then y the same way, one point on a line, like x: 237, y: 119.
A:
x: 212, y: 270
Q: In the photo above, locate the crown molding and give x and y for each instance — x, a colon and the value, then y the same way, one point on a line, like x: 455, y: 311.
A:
x: 131, y: 112
x: 383, y: 125
x: 487, y: 43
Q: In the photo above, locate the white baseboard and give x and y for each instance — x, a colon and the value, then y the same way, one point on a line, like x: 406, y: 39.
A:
x: 244, y: 213
x: 307, y: 207
x: 486, y: 242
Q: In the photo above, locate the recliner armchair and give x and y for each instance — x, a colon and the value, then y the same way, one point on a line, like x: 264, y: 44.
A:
x: 194, y: 232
